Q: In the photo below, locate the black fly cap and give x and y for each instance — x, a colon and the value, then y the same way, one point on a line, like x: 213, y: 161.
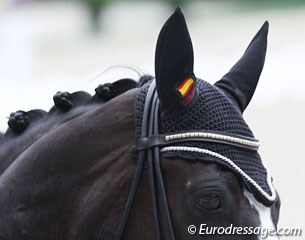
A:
x: 191, y: 104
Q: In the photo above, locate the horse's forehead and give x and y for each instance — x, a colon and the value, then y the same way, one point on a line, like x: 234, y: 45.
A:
x: 193, y: 170
x: 192, y: 174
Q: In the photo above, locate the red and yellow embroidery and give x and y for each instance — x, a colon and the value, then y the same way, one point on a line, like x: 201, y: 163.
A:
x: 186, y: 86
x: 187, y: 91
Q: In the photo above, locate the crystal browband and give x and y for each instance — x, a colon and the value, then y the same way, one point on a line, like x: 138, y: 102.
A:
x: 204, y: 136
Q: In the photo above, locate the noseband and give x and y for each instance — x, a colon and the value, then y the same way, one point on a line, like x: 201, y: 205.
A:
x: 148, y: 147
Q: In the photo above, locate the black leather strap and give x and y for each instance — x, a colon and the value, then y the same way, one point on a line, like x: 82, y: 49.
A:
x: 158, y: 194
x: 140, y: 164
x: 160, y: 140
x: 152, y: 173
x: 164, y: 212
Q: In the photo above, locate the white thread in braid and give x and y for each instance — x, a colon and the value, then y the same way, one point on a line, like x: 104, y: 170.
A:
x: 212, y: 136
x: 231, y: 163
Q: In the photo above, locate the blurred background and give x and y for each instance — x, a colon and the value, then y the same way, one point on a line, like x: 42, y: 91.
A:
x: 46, y: 46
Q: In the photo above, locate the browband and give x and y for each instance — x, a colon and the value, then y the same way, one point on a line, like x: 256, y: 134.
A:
x: 202, y: 136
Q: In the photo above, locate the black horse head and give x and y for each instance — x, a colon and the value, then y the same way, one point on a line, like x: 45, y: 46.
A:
x: 71, y: 176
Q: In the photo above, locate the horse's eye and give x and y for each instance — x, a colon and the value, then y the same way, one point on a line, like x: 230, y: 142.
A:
x: 209, y: 202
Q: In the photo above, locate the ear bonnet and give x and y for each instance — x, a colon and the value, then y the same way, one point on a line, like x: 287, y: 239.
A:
x: 204, y: 122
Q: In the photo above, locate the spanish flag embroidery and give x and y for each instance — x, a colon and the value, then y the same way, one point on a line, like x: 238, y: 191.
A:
x: 186, y: 90
x: 186, y: 86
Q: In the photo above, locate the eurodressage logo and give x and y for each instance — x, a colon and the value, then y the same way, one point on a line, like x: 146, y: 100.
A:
x: 203, y: 229
x: 186, y: 91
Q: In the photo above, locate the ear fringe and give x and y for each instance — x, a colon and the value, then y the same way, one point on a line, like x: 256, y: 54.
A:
x: 242, y: 79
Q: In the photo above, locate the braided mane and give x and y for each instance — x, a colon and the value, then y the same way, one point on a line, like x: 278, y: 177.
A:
x: 66, y: 106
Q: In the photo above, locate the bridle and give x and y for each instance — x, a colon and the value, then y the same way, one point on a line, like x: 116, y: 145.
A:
x: 148, y: 147
x: 150, y: 128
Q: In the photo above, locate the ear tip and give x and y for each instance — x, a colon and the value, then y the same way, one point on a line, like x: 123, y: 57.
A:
x: 262, y: 35
x: 178, y: 12
x: 265, y: 27
x: 177, y: 16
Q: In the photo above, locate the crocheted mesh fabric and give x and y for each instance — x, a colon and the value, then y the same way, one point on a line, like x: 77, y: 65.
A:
x: 214, y: 110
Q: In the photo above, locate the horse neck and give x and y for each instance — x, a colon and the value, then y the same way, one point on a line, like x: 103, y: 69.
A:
x: 107, y: 173
x: 79, y: 178
x: 13, y: 146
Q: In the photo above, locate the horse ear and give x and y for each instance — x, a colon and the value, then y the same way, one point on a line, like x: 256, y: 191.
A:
x: 243, y: 77
x: 174, y: 60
